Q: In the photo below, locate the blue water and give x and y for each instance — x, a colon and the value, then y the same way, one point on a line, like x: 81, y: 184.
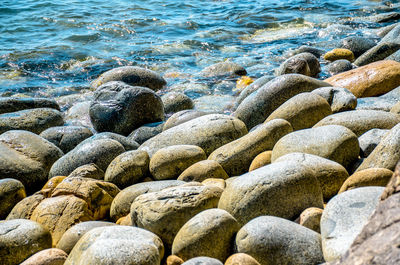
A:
x: 53, y: 48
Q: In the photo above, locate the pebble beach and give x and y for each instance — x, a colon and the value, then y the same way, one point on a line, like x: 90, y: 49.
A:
x: 200, y: 133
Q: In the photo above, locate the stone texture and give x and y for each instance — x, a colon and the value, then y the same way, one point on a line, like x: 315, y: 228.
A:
x: 339, y: 98
x: 377, y: 53
x: 311, y: 218
x: 273, y: 240
x: 66, y: 137
x: 220, y: 183
x: 241, y: 259
x: 127, y: 142
x: 174, y: 260
x: 12, y: 191
x: 20, y: 238
x: 121, y: 108
x: 370, y: 80
x: 302, y: 111
x: 165, y: 212
x: 50, y: 256
x: 393, y: 36
x: 24, y: 209
x: 194, y: 238
x: 258, y: 106
x: 358, y: 45
x: 333, y: 142
x: 147, y: 131
x: 203, y: 170
x: 131, y: 75
x: 236, y: 156
x: 261, y: 160
x: 294, y: 65
x: 224, y: 68
x: 13, y: 104
x: 339, y: 54
x: 202, y: 261
x: 361, y: 121
x: 171, y: 161
x: 252, y: 88
x: 87, y: 171
x: 128, y: 168
x: 339, y: 66
x: 344, y: 217
x: 208, y: 132
x: 281, y: 189
x: 176, y: 101
x: 369, y: 140
x: 367, y: 177
x: 117, y: 245
x: 181, y: 117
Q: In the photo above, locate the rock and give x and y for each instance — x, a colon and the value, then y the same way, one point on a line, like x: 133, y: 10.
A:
x: 273, y: 240
x: 223, y: 68
x: 339, y: 54
x: 127, y: 142
x: 76, y: 232
x: 208, y: 132
x: 145, y: 132
x: 261, y: 160
x: 174, y: 260
x: 241, y: 259
x: 58, y: 214
x: 24, y: 209
x: 381, y: 32
x: 393, y: 36
x: 213, y: 225
x: 339, y: 66
x: 121, y: 108
x: 344, y: 217
x: 66, y: 137
x: 258, y: 106
x: 339, y: 98
x: 86, y: 171
x: 304, y: 48
x: 311, y: 218
x: 235, y: 157
x: 203, y: 170
x: 171, y: 161
x: 121, y: 205
x: 294, y: 65
x: 369, y: 140
x: 179, y: 205
x: 367, y: 177
x: 329, y: 174
x: 385, y: 17
x: 385, y: 154
x: 394, y: 56
x: 12, y: 191
x: 100, y: 152
x: 21, y: 238
x: 361, y: 121
x: 281, y: 189
x: 176, y: 101
x: 33, y: 120
x: 369, y: 80
x: 50, y: 185
x: 216, y: 103
x: 131, y: 75
x: 396, y: 108
x: 50, y: 256
x: 181, y: 117
x: 302, y: 111
x: 220, y: 183
x: 78, y: 115
x: 358, y: 45
x: 377, y: 53
x: 10, y: 104
x: 117, y: 245
x: 375, y: 103
x: 333, y: 142
x: 128, y: 168
x: 202, y: 261
x: 27, y: 157
x: 252, y: 88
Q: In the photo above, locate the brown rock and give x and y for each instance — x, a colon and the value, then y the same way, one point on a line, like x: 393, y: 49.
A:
x: 50, y: 185
x: 203, y: 170
x: 174, y: 260
x: 367, y: 177
x: 261, y: 160
x: 220, y: 183
x: 126, y: 220
x: 338, y: 54
x: 311, y: 218
x: 50, y: 256
x: 25, y: 208
x: 88, y: 171
x: 369, y: 80
x: 241, y: 259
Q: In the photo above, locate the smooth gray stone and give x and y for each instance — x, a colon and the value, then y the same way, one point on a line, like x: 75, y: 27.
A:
x: 66, y: 137
x: 369, y: 140
x: 340, y: 99
x: 176, y: 101
x: 252, y: 88
x: 202, y: 261
x: 377, y: 53
x: 393, y: 36
x: 339, y: 66
x: 127, y: 142
x: 147, y: 131
x: 358, y: 45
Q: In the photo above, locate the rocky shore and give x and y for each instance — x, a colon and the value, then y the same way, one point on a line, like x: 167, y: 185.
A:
x: 300, y: 169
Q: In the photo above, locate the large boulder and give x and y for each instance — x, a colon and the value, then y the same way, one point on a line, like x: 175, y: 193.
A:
x: 258, y: 106
x: 121, y: 108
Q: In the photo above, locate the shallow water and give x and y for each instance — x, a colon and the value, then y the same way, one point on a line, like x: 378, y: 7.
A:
x: 54, y: 48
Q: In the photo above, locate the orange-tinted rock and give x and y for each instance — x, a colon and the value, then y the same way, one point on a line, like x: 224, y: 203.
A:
x: 50, y: 256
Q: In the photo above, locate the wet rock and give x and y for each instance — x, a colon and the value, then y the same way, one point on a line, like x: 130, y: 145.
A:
x: 174, y: 260
x: 66, y: 137
x: 121, y: 205
x: 223, y: 68
x: 257, y: 107
x: 361, y: 121
x: 131, y: 75
x: 236, y: 156
x: 252, y: 88
x: 127, y: 143
x: 339, y: 54
x: 10, y: 104
x: 27, y: 157
x: 377, y: 53
x: 333, y: 142
x: 33, y: 120
x: 241, y: 259
x: 370, y: 80
x: 21, y: 238
x: 367, y: 177
x: 381, y: 32
x: 121, y: 108
x: 24, y: 209
x: 208, y: 132
x: 281, y: 189
x: 100, y: 152
x: 117, y: 245
x: 128, y: 168
x: 339, y: 98
x: 50, y: 256
x: 261, y: 160
x: 311, y: 218
x: 394, y: 56
x: 304, y: 48
x: 145, y: 132
x: 339, y: 66
x: 302, y: 111
x: 213, y: 225
x: 179, y: 205
x: 176, y: 101
x: 385, y: 17
x: 358, y: 45
x: 202, y: 261
x: 273, y: 240
x: 393, y: 36
x: 203, y: 170
x: 294, y: 65
x: 181, y: 117
x: 76, y: 232
x: 369, y: 140
x: 12, y: 191
x: 78, y: 115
